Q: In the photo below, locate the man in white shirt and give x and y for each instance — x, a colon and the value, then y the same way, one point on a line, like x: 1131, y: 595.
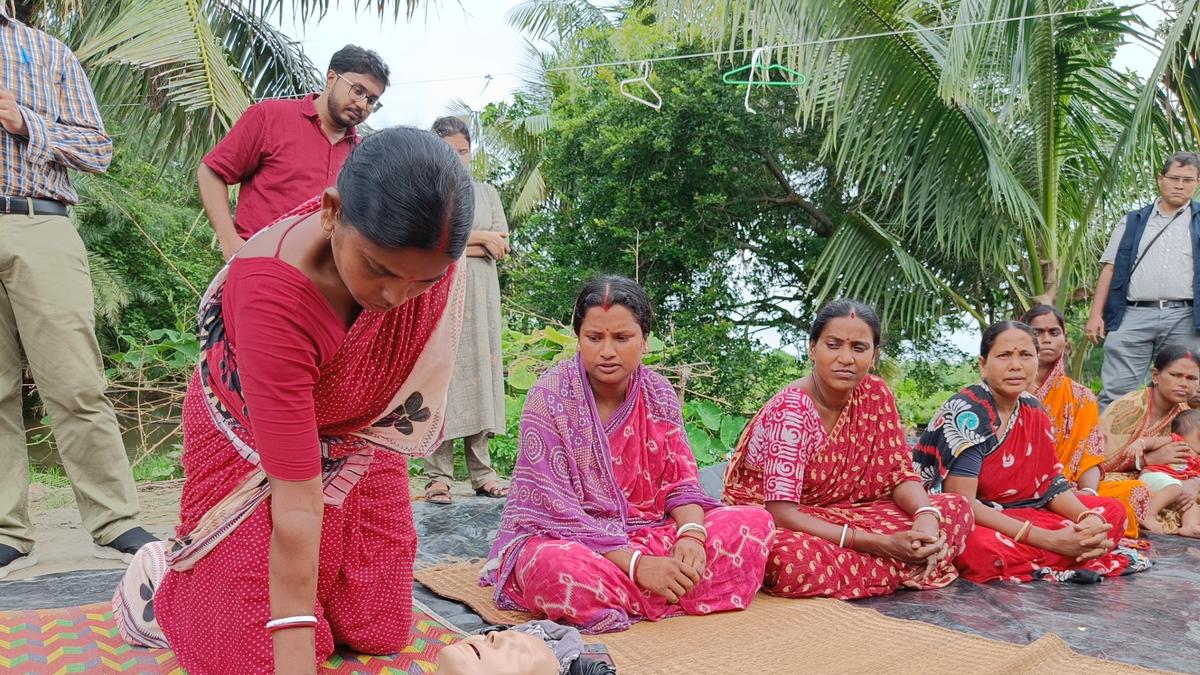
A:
x: 1148, y: 286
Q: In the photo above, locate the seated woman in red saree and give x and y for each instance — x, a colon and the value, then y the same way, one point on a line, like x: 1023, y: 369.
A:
x: 1075, y: 416
x: 324, y: 344
x: 606, y: 523
x: 1137, y: 431
x: 829, y: 459
x: 993, y: 444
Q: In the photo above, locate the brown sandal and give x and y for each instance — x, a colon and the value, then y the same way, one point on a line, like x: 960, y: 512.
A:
x: 438, y: 495
x: 493, y: 490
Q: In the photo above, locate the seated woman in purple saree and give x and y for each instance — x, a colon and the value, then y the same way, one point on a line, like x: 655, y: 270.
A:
x: 606, y: 523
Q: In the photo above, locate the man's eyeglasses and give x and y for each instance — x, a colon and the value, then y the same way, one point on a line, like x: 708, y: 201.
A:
x: 1181, y: 180
x: 359, y: 92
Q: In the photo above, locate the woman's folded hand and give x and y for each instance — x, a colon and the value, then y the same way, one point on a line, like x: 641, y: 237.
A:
x: 666, y: 577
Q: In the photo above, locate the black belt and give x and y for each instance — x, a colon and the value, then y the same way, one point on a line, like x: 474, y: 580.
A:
x: 30, y: 205
x: 1160, y: 304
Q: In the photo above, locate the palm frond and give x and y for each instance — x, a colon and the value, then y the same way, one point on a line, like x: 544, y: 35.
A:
x: 533, y: 193
x: 110, y: 288
x: 889, y: 127
x: 863, y: 260
x: 158, y: 67
x: 559, y: 19
x: 304, y: 10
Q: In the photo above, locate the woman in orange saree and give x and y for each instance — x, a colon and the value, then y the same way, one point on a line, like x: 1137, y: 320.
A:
x: 1075, y: 414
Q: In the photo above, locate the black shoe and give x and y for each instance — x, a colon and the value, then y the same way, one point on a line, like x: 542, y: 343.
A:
x: 124, y: 546
x: 12, y: 560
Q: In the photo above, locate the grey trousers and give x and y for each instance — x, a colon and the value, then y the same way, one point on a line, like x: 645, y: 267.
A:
x: 440, y: 465
x: 46, y: 307
x: 1129, y: 350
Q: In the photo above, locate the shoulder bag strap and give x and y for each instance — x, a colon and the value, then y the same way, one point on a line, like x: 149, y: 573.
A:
x: 1153, y: 241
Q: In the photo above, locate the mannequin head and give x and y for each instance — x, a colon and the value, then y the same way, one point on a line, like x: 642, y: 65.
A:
x: 507, y: 652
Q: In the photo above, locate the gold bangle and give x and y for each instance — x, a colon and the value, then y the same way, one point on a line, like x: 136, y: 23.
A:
x: 1023, y: 532
x: 1089, y: 512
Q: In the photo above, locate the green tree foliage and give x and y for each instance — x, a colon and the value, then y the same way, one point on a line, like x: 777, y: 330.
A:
x: 990, y: 143
x: 718, y: 213
x: 154, y: 246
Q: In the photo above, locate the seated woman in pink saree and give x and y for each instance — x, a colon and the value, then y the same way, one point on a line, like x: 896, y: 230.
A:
x: 606, y: 523
x: 829, y: 459
x: 324, y: 343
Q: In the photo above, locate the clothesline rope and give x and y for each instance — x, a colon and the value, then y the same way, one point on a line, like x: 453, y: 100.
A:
x: 807, y: 43
x: 744, y: 50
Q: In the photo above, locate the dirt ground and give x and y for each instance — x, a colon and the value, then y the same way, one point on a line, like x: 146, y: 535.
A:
x: 63, y: 545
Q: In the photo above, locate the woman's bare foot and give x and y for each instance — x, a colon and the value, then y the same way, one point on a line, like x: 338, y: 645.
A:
x: 492, y: 489
x: 1150, y: 524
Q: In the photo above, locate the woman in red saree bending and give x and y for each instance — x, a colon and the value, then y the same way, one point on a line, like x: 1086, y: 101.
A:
x: 993, y: 443
x: 324, y: 343
x: 829, y: 459
x: 606, y: 522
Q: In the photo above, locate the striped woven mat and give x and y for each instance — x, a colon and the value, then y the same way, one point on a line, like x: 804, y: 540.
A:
x: 85, y: 640
x: 777, y: 636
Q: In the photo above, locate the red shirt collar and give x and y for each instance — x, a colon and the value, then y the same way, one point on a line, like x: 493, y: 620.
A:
x: 308, y: 108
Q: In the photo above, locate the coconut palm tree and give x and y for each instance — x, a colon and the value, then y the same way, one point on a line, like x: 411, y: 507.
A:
x: 180, y: 72
x: 990, y: 143
x: 512, y: 134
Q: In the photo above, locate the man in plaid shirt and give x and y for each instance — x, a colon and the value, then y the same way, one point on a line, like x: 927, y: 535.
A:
x: 49, y: 123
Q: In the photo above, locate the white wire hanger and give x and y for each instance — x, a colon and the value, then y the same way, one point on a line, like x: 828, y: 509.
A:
x: 750, y: 85
x: 643, y: 79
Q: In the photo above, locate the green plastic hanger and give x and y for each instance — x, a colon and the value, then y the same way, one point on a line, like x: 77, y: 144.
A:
x: 798, y: 80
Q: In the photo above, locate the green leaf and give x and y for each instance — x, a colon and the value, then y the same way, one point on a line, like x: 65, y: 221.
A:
x: 731, y: 430
x: 700, y: 442
x: 655, y: 344
x: 135, y: 358
x: 558, y: 337
x: 710, y: 414
x: 544, y: 353
x: 521, y: 378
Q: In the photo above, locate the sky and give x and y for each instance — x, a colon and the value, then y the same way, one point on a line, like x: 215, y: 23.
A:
x: 446, y: 51
x: 459, y: 43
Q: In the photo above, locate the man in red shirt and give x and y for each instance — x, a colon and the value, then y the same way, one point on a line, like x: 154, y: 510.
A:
x: 284, y: 152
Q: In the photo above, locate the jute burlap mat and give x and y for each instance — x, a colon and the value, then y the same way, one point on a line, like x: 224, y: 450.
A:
x: 776, y: 635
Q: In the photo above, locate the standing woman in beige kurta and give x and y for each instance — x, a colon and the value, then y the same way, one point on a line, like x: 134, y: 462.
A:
x: 475, y: 403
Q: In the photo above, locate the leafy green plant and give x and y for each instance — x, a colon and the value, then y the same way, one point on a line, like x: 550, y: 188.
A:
x: 712, y: 432
x: 165, y: 353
